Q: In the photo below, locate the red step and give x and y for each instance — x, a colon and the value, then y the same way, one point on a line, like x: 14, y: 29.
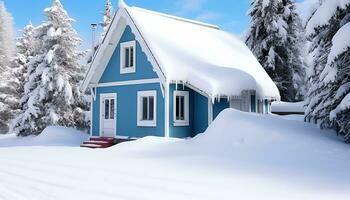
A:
x: 99, y: 142
x: 102, y: 138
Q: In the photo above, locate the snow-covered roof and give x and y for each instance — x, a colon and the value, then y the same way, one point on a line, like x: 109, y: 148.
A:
x: 199, y: 54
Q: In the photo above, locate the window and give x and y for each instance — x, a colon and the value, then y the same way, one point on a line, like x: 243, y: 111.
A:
x: 127, y: 57
x: 146, y: 108
x: 252, y: 103
x: 181, y: 108
x: 109, y: 108
x: 266, y: 105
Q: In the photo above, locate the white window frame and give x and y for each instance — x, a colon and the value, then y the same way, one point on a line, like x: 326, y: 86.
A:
x: 123, y: 46
x: 186, y: 121
x: 146, y: 123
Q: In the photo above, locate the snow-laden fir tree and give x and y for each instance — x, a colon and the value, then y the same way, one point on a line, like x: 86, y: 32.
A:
x: 25, y: 46
x: 52, y: 94
x: 7, y: 99
x: 7, y: 47
x: 107, y: 18
x: 106, y: 21
x: 327, y: 102
x: 276, y: 38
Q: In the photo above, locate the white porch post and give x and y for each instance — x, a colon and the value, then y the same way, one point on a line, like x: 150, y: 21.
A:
x: 91, y: 111
x: 166, y: 104
x: 210, y: 110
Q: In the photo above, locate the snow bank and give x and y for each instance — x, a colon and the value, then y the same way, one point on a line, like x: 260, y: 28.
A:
x: 241, y: 156
x: 280, y: 106
x: 51, y: 136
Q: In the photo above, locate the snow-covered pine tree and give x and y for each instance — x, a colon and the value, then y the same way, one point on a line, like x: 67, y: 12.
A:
x: 7, y: 100
x: 25, y: 50
x: 107, y: 18
x: 7, y: 46
x: 275, y: 36
x: 339, y: 62
x: 320, y: 100
x: 106, y: 21
x: 52, y: 94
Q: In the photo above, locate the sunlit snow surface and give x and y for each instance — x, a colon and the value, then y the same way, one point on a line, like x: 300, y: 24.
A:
x: 240, y: 156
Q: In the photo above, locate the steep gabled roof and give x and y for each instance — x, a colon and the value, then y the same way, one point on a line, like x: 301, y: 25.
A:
x: 192, y: 52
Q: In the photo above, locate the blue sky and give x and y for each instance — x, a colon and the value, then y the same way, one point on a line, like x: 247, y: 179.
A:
x: 230, y: 15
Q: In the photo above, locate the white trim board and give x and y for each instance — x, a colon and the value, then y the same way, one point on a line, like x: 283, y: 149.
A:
x: 132, y: 82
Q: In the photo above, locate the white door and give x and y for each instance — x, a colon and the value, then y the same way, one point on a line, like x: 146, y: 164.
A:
x: 108, y: 115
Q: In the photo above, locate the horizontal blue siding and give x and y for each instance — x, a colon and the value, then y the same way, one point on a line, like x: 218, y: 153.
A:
x: 144, y: 69
x: 127, y: 110
x: 220, y: 105
x: 200, y: 116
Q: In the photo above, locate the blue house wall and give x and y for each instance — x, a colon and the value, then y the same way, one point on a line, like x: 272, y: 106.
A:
x: 126, y: 120
x: 198, y: 113
x: 126, y: 124
x: 220, y: 105
x: 144, y: 69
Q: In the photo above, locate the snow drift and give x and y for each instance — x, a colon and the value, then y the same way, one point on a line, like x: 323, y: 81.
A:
x: 51, y: 136
x: 240, y: 156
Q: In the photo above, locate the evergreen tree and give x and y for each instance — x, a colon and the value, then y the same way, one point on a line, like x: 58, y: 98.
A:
x: 326, y: 102
x: 7, y: 99
x: 51, y: 93
x: 25, y: 50
x: 107, y: 18
x: 6, y: 38
x: 275, y: 37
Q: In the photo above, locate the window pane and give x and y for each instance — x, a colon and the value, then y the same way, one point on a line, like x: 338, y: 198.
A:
x: 177, y: 108
x: 151, y: 108
x: 127, y: 57
x: 106, y: 109
x: 182, y: 108
x: 131, y: 56
x: 112, y: 109
x: 144, y: 108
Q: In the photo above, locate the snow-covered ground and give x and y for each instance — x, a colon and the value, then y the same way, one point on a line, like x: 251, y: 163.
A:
x: 240, y: 156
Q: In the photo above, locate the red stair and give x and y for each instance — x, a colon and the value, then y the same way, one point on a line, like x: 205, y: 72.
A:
x: 99, y: 142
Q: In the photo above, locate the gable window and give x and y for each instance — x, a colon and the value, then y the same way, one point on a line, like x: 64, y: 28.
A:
x: 181, y: 108
x: 127, y: 57
x: 146, y: 108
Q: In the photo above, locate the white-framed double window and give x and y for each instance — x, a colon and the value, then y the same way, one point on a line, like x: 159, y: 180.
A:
x: 181, y: 108
x: 147, y: 108
x: 128, y: 57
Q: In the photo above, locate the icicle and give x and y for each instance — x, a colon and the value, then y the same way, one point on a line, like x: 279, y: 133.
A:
x: 176, y: 85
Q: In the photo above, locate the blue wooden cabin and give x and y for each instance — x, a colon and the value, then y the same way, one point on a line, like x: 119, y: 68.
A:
x: 136, y: 94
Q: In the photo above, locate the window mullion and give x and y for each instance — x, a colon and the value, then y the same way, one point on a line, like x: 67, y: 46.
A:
x: 148, y: 102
